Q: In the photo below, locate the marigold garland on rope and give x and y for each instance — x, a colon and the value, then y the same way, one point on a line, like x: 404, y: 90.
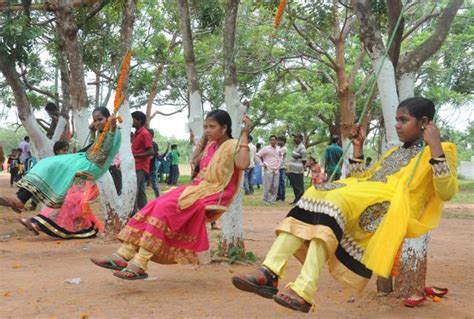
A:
x: 118, y: 100
x: 281, y: 8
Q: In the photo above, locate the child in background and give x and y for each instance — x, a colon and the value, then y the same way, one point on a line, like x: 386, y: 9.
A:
x: 317, y: 177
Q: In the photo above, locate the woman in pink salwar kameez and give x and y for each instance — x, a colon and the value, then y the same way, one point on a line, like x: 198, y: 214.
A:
x: 172, y: 228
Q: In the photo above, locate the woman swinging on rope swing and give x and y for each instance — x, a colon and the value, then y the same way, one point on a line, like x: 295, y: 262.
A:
x: 172, y: 228
x: 358, y: 224
x: 51, y: 178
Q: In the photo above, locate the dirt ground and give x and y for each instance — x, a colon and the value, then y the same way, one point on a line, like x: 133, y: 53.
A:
x: 34, y: 271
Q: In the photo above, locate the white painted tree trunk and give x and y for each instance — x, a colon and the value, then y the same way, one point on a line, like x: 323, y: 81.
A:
x: 42, y: 145
x: 406, y: 86
x: 413, y: 266
x: 347, y: 155
x: 232, y: 220
x: 196, y: 115
x: 81, y: 118
x: 124, y: 203
x: 388, y: 97
x: 414, y: 256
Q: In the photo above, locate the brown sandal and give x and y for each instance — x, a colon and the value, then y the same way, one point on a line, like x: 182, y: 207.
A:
x: 10, y: 202
x: 28, y: 225
x: 290, y: 299
x: 264, y: 283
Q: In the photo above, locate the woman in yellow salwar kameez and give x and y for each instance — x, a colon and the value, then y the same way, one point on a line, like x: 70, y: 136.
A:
x: 358, y: 224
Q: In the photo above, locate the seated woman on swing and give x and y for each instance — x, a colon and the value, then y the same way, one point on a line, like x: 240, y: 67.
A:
x: 172, y: 228
x: 51, y: 178
x: 358, y: 224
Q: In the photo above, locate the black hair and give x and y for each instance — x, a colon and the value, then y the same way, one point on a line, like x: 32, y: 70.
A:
x: 368, y: 159
x: 258, y: 146
x: 223, y: 118
x: 334, y: 139
x: 250, y: 138
x: 282, y: 138
x: 102, y: 110
x: 313, y: 159
x: 140, y: 116
x: 174, y: 146
x: 59, y: 145
x: 419, y: 107
x: 272, y: 136
x: 51, y: 107
x: 27, y: 138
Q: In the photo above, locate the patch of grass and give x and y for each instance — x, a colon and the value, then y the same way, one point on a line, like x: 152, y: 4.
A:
x: 466, y: 186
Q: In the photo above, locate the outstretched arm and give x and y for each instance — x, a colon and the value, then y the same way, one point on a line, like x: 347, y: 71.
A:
x: 242, y: 157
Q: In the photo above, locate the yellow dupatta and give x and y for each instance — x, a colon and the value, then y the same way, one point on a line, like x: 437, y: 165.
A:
x: 216, y: 177
x: 400, y: 221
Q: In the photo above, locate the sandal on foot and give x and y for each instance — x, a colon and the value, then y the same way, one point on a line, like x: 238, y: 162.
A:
x: 264, y: 283
x: 25, y: 222
x: 291, y: 300
x: 110, y: 263
x: 414, y: 301
x: 9, y: 202
x: 130, y: 274
x: 436, y: 291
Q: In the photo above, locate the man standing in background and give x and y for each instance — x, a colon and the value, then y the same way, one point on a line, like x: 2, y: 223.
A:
x: 25, y: 150
x: 270, y: 157
x: 332, y: 155
x: 296, y: 167
x: 153, y: 178
x: 174, y: 168
x: 142, y: 150
x: 281, y: 182
x: 248, y: 176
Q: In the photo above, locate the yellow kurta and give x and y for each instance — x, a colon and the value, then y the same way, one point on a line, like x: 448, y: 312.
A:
x: 364, y: 219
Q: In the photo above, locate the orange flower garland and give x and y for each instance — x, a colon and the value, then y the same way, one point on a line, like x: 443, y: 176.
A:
x: 281, y: 8
x: 118, y: 100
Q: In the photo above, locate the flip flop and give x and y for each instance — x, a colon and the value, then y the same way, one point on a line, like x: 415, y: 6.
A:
x: 109, y: 263
x: 7, y: 202
x: 436, y: 291
x: 137, y: 275
x: 25, y: 222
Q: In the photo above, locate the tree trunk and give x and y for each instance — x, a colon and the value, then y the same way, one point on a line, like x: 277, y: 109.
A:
x: 413, y: 265
x: 232, y: 221
x: 195, y: 101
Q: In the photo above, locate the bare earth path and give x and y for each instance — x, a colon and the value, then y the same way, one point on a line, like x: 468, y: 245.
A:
x: 34, y: 270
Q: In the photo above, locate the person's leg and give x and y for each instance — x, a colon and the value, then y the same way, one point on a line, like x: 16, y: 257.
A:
x: 264, y: 281
x: 298, y: 186
x: 141, y: 195
x: 267, y: 183
x: 281, y: 185
x: 136, y: 267
x: 154, y: 184
x: 250, y: 180
x: 284, y: 246
x: 274, y: 186
x: 305, y: 283
x: 291, y: 178
x: 246, y: 182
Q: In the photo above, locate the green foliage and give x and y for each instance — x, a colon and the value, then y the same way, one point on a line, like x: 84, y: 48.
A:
x: 237, y: 254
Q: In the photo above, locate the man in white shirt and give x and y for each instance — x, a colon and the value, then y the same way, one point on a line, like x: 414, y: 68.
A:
x: 281, y: 181
x: 248, y: 175
x: 270, y: 157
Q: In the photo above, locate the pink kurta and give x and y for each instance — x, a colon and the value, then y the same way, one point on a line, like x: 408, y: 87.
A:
x: 173, y: 235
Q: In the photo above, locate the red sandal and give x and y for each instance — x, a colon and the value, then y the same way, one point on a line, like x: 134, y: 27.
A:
x: 110, y: 263
x: 436, y: 291
x: 413, y: 301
